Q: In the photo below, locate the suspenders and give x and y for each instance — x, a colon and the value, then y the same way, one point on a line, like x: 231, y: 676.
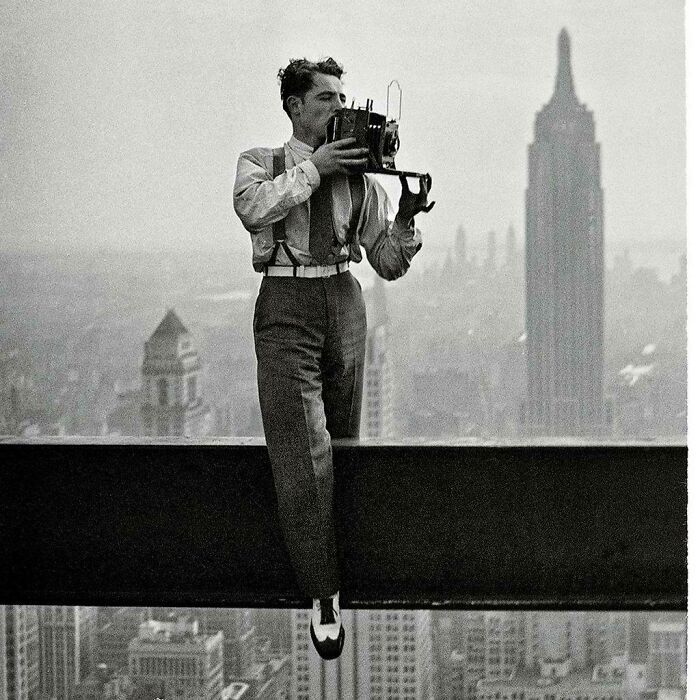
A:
x: 279, y: 233
x: 357, y: 196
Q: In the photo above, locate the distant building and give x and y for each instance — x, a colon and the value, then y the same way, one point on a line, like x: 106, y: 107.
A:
x: 639, y: 637
x: 239, y: 637
x: 237, y: 691
x: 666, y: 665
x: 556, y: 681
x: 118, y: 687
x: 492, y: 643
x: 11, y: 381
x: 564, y: 265
x: 490, y: 261
x: 273, y: 625
x: 113, y: 637
x: 91, y: 688
x: 462, y: 683
x: 395, y: 654
x: 585, y: 638
x: 124, y: 418
x: 173, y: 660
x: 19, y: 652
x: 172, y: 383
x: 387, y: 654
x: 268, y: 679
x: 511, y: 248
x: 67, y: 638
x: 455, y: 399
x: 484, y: 645
x: 377, y: 400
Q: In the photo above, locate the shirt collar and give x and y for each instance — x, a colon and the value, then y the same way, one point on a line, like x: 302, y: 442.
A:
x: 299, y: 147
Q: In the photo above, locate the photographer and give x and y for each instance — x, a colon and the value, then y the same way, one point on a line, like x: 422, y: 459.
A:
x: 308, y: 210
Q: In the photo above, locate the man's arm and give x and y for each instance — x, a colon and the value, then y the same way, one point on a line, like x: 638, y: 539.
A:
x: 391, y: 245
x: 259, y: 200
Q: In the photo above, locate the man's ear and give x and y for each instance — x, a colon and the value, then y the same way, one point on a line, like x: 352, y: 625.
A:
x: 294, y: 103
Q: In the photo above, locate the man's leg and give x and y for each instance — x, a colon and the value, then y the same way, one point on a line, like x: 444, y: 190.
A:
x: 344, y: 357
x: 290, y: 328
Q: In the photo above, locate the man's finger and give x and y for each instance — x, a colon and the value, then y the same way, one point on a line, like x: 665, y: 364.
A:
x: 353, y: 152
x: 429, y: 183
x: 342, y: 143
x: 353, y: 161
x: 429, y: 207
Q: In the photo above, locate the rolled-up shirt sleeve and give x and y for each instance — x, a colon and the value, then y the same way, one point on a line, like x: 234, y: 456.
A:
x: 260, y: 200
x: 390, y: 246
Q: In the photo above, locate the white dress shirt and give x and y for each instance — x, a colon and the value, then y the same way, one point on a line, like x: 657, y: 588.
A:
x: 260, y: 201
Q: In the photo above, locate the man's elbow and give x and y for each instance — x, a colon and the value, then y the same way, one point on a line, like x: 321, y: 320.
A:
x: 390, y: 273
x: 244, y: 212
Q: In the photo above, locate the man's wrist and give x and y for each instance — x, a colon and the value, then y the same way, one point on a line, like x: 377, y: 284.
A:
x: 403, y: 220
x: 311, y: 171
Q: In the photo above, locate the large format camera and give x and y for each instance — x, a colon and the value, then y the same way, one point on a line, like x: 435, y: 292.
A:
x: 373, y: 131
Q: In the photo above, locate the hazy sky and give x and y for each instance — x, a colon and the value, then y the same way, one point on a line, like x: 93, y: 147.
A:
x: 122, y: 121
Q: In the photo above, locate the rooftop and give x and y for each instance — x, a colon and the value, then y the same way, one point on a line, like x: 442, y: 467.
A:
x: 170, y: 326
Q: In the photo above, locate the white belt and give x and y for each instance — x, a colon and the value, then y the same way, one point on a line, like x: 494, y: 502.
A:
x: 306, y: 270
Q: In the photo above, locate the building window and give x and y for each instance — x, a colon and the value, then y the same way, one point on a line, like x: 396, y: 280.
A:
x: 191, y: 388
x: 162, y: 391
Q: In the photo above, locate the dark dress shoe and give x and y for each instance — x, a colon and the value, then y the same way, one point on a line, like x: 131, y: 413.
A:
x: 331, y: 647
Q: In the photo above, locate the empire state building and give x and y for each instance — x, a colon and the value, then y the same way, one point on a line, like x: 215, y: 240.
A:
x: 564, y: 244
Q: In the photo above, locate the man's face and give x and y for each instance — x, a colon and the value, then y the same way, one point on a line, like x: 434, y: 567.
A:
x: 324, y: 99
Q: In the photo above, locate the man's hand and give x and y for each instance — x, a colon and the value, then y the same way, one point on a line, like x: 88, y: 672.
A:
x: 337, y: 157
x: 411, y: 203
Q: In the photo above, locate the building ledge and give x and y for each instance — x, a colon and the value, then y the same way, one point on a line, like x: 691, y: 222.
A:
x: 569, y: 525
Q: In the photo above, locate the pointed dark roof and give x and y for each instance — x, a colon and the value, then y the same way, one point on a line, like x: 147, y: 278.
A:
x: 564, y: 88
x: 171, y: 326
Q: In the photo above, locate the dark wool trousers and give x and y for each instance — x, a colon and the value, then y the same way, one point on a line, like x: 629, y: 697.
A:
x: 310, y: 345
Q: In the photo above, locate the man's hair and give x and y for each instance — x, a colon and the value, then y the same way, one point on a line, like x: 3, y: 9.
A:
x: 298, y: 77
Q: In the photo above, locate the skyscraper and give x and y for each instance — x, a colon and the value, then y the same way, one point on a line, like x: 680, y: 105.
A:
x: 511, y: 250
x: 67, y: 638
x: 666, y: 666
x: 19, y: 652
x: 387, y: 654
x: 172, y: 383
x: 377, y: 409
x: 564, y: 251
x: 239, y: 636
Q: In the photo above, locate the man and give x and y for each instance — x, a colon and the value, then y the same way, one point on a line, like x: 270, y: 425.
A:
x: 308, y: 212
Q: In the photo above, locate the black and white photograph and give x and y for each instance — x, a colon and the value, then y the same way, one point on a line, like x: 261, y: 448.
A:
x: 344, y: 350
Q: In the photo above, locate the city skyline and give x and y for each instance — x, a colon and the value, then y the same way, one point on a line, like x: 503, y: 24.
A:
x: 71, y: 358
x: 131, y: 653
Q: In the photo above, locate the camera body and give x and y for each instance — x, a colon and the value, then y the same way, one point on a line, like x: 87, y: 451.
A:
x: 372, y: 131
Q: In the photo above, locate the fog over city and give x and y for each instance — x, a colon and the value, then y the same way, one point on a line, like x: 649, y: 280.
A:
x: 123, y: 127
